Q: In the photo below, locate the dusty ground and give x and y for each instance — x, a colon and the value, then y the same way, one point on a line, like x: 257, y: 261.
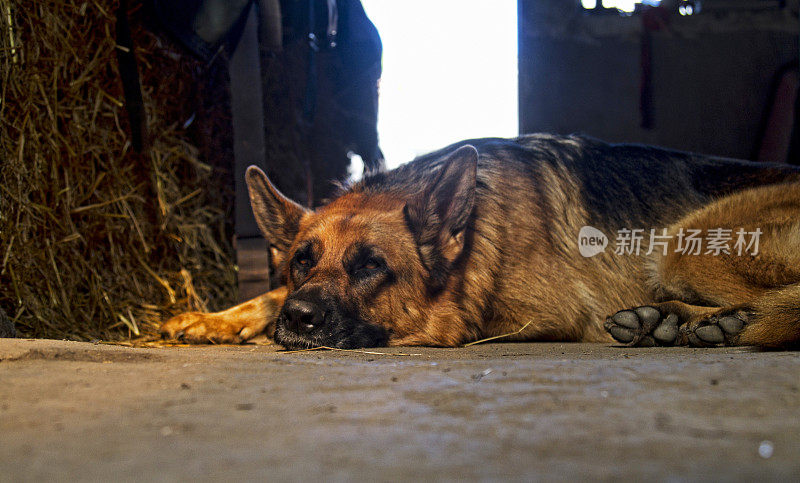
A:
x: 83, y: 411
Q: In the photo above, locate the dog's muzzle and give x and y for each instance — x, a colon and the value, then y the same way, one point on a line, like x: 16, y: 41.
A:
x: 305, y: 323
x: 302, y: 316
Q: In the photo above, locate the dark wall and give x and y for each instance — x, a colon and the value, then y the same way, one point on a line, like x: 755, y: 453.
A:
x: 711, y: 74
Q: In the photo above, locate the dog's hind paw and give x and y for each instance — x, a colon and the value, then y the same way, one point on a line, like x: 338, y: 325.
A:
x: 716, y: 330
x: 643, y: 327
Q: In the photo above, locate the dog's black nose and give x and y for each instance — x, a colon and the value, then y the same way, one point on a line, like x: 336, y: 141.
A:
x: 302, y: 316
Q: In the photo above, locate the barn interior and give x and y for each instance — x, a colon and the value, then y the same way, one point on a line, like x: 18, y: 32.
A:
x: 125, y: 130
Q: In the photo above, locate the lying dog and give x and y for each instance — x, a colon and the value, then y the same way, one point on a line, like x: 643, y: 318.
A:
x: 490, y: 237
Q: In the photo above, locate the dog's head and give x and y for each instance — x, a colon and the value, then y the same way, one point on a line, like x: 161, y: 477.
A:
x: 365, y: 269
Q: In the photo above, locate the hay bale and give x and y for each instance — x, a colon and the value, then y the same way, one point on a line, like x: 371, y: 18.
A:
x: 98, y: 241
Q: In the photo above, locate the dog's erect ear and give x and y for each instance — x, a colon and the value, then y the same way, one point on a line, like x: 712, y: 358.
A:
x: 437, y: 217
x: 277, y: 216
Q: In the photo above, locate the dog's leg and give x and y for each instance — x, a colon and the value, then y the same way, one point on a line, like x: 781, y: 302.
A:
x: 733, y: 298
x: 747, y: 301
x: 233, y: 326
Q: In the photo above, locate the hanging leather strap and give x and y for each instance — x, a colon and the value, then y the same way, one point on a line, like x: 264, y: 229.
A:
x: 129, y: 73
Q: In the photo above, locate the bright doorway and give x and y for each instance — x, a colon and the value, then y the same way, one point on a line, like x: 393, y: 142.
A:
x: 449, y: 73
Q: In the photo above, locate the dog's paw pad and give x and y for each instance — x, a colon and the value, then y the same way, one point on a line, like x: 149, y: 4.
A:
x: 634, y: 327
x: 667, y: 331
x: 717, y: 330
x: 710, y: 334
x: 648, y: 315
x: 627, y: 319
x: 624, y: 326
x: 621, y: 334
x: 731, y: 325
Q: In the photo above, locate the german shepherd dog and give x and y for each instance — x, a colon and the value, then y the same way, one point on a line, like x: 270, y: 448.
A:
x: 489, y: 237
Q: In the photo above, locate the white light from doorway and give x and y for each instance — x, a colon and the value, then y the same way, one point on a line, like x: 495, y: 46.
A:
x: 627, y: 6
x: 449, y: 73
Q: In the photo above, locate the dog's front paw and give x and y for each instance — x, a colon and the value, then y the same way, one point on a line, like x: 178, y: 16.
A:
x: 198, y: 328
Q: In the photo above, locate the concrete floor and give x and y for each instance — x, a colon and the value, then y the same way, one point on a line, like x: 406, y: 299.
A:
x: 79, y: 411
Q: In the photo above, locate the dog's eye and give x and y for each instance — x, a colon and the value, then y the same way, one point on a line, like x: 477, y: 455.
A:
x: 304, y: 261
x: 371, y: 264
x: 364, y: 263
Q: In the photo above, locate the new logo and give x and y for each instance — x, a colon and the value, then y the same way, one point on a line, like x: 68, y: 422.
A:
x: 591, y: 241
